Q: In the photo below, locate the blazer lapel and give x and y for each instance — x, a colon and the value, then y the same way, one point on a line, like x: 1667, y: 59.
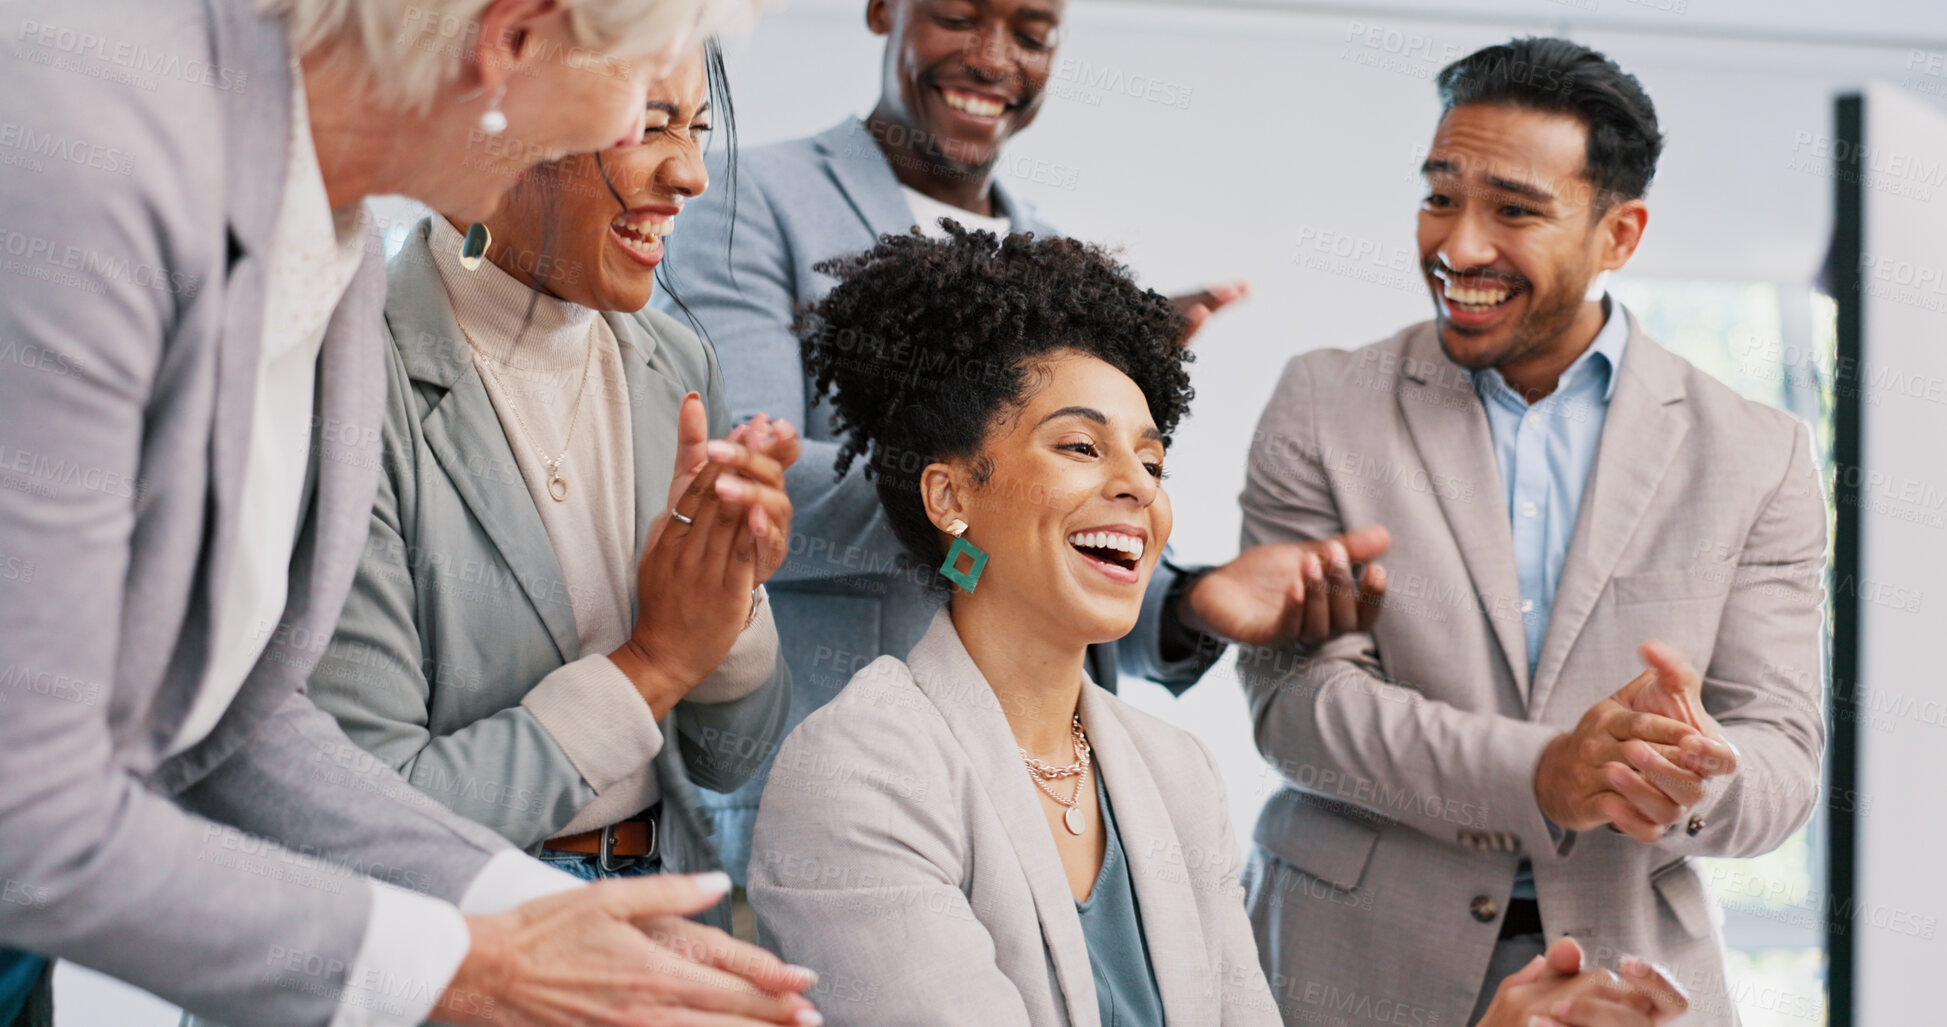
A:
x: 860, y: 169
x: 948, y: 677
x: 1641, y: 434
x: 465, y: 435
x: 1449, y: 429
x: 655, y: 402
x: 1171, y: 926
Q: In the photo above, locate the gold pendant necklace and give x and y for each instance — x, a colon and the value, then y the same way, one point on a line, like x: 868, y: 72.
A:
x: 1042, y: 772
x: 557, y: 484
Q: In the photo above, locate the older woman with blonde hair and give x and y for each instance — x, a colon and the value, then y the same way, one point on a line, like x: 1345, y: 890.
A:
x: 201, y: 452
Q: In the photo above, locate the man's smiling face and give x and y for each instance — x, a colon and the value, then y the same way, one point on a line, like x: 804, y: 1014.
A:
x: 967, y: 74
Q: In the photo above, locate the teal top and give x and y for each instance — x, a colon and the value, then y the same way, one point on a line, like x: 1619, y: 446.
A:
x: 1125, y: 983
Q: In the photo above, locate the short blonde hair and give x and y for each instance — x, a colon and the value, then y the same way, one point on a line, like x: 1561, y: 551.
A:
x: 412, y: 47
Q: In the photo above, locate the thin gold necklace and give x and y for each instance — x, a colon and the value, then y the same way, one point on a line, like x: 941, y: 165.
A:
x: 557, y: 485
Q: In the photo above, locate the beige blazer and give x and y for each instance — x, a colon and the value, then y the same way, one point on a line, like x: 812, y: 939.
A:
x: 1408, y: 753
x: 901, y: 852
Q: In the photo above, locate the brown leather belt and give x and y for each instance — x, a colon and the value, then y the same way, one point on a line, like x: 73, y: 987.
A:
x: 630, y: 839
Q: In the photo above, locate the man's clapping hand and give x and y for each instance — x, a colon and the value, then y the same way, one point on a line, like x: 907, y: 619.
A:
x: 1675, y: 690
x: 1637, y: 760
x: 1555, y: 990
x: 618, y: 953
x: 1291, y: 591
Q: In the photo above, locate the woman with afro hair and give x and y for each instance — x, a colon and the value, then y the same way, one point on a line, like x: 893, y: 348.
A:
x: 980, y: 834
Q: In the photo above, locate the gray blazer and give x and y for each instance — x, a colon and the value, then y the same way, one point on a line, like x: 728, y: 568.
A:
x: 1408, y: 753
x: 845, y: 596
x: 457, y: 612
x: 902, y: 853
x: 141, y: 306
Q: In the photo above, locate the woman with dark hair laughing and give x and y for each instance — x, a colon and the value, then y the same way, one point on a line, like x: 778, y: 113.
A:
x: 559, y: 606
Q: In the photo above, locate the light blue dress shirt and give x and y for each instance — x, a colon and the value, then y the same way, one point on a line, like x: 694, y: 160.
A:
x: 1545, y: 451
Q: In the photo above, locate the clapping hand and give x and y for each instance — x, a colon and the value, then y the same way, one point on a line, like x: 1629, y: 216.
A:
x: 1674, y: 689
x: 726, y: 527
x: 1555, y: 990
x: 768, y: 448
x: 618, y: 953
x: 1196, y: 307
x: 1286, y: 591
x: 1639, y: 759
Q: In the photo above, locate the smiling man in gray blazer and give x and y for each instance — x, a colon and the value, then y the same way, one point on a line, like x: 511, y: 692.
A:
x: 1484, y: 768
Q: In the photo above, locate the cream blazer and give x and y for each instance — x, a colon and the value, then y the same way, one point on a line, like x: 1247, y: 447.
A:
x: 901, y: 852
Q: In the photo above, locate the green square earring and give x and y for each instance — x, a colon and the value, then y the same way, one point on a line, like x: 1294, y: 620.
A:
x: 950, y: 568
x: 473, y: 248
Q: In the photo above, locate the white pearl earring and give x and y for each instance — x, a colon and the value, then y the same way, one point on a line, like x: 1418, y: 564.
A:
x: 492, y: 121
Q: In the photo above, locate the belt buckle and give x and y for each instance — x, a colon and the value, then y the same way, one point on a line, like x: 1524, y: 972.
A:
x: 605, y: 859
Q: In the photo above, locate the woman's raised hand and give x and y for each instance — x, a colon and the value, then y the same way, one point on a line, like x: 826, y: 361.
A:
x: 760, y: 450
x: 695, y: 584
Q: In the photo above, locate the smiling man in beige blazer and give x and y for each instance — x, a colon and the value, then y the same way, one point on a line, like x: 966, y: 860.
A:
x: 1485, y: 769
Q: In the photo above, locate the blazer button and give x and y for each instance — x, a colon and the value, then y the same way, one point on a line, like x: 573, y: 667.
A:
x: 1484, y: 909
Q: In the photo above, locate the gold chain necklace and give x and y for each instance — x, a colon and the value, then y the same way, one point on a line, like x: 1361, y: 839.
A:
x: 557, y: 485
x: 1042, y: 772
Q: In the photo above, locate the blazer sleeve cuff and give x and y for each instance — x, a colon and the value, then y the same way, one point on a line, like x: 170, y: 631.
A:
x: 1511, y: 819
x: 751, y: 663
x: 1141, y: 651
x: 593, y: 711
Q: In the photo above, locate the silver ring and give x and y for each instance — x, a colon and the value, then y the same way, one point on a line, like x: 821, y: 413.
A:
x: 678, y: 514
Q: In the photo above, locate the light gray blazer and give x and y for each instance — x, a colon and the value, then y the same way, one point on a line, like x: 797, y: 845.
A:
x: 844, y: 596
x: 1408, y: 753
x: 902, y: 853
x: 457, y: 609
x: 124, y: 435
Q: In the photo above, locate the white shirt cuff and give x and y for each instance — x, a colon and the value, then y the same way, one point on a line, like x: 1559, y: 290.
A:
x: 511, y: 878
x: 413, y: 946
x: 414, y: 943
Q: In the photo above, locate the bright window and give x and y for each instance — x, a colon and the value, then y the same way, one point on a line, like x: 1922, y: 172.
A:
x: 1777, y: 345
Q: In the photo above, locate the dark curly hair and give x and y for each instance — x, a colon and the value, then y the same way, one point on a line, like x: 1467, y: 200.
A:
x: 926, y: 344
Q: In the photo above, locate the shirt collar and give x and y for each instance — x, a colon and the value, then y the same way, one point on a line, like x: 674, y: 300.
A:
x: 1610, y: 342
x: 1604, y: 356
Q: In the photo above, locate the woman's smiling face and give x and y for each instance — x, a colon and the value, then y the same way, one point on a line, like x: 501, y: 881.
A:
x: 566, y: 233
x: 1066, y: 498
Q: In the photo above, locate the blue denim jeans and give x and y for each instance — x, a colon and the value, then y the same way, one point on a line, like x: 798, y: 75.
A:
x: 589, y: 868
